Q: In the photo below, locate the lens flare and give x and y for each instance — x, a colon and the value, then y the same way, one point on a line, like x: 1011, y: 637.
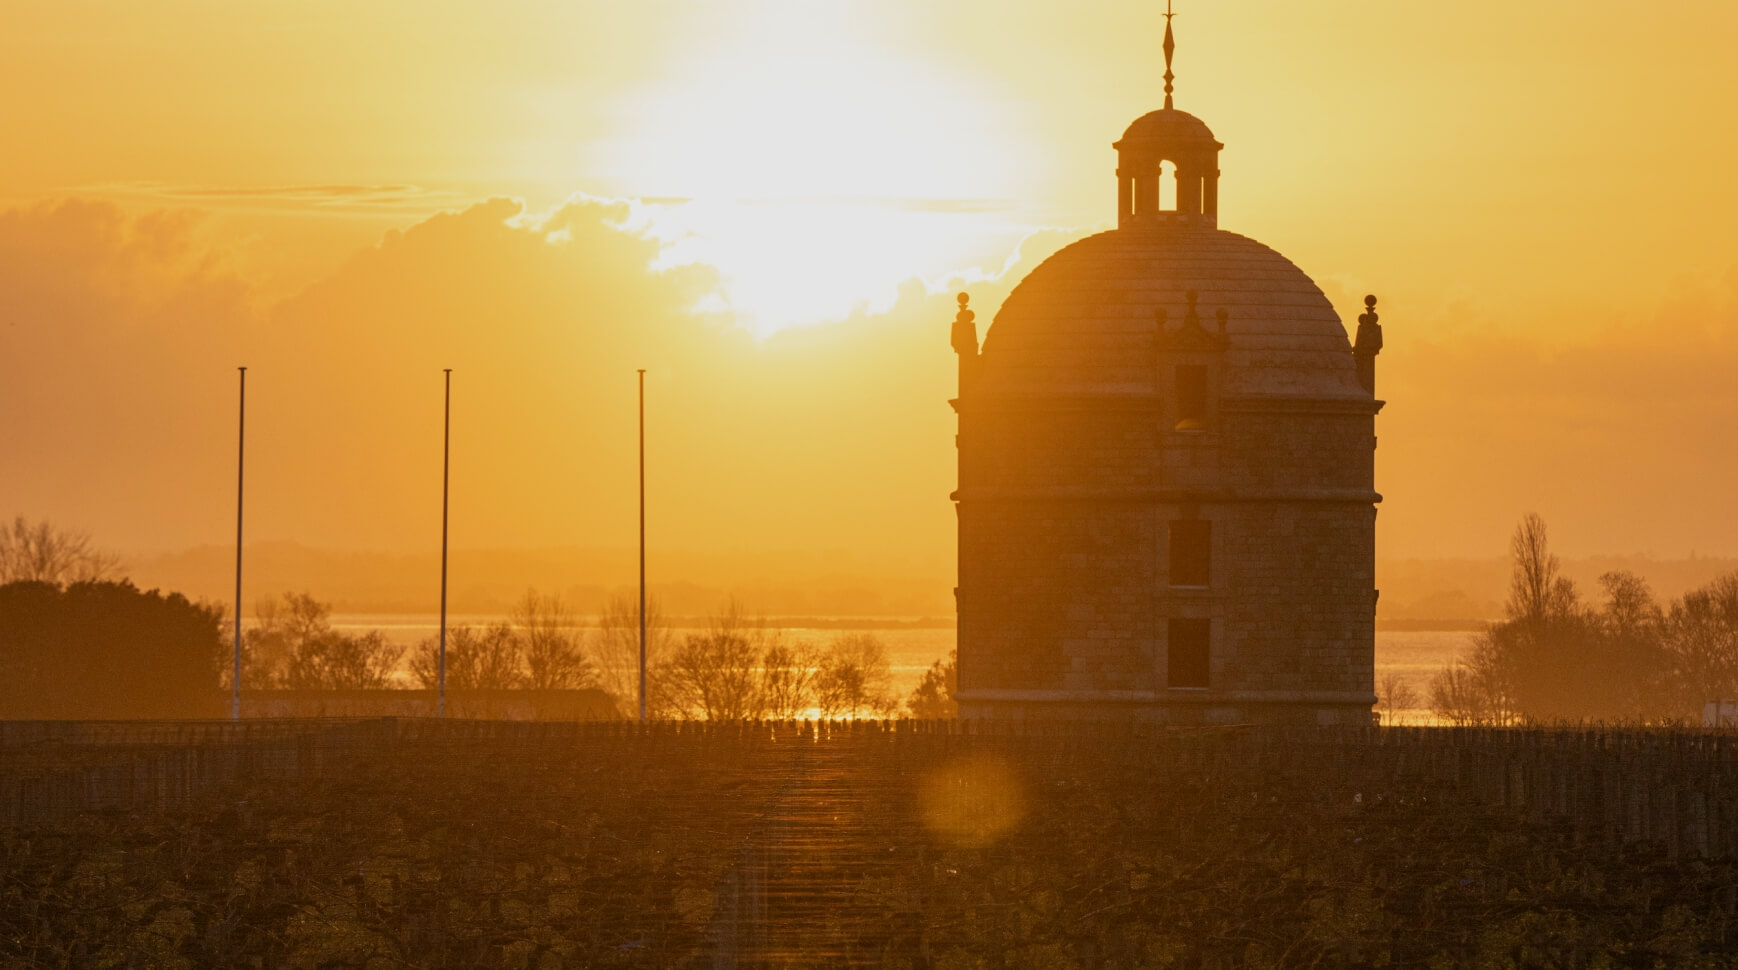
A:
x: 972, y: 802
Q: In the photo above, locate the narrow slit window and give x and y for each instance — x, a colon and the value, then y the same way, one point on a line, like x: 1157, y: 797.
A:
x: 1191, y: 397
x: 1188, y: 648
x: 1167, y: 187
x: 1191, y: 552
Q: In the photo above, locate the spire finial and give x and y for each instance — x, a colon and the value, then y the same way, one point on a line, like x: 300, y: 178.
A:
x: 965, y: 329
x: 1368, y: 344
x: 1170, y: 46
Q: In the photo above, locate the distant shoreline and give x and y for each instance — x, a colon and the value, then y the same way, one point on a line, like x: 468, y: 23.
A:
x: 1430, y: 626
x: 829, y: 622
x: 360, y: 619
x: 700, y: 622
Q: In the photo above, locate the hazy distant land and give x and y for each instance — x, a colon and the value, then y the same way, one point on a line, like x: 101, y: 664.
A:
x: 796, y: 588
x: 1428, y: 608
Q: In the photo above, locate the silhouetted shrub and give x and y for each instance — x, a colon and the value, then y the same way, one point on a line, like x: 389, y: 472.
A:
x: 293, y: 645
x: 540, y: 648
x: 932, y: 699
x: 106, y: 650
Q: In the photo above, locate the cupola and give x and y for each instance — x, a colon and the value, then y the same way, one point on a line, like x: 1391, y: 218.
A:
x: 1172, y: 138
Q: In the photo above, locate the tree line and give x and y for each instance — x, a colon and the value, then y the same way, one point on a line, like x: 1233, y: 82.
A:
x: 74, y: 641
x: 77, y: 642
x: 1556, y: 656
x: 292, y: 645
x: 737, y: 667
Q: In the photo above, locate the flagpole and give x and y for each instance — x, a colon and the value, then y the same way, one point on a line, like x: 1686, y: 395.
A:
x: 446, y: 474
x: 642, y: 545
x: 240, y: 452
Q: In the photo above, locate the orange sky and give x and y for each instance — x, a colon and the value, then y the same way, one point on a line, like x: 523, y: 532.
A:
x: 769, y: 204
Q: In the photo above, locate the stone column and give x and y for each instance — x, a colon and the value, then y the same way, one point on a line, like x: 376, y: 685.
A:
x: 1188, y: 190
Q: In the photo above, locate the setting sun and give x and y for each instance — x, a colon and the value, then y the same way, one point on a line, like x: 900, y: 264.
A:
x: 818, y: 167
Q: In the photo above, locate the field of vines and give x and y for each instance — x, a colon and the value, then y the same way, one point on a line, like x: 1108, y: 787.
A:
x: 420, y: 843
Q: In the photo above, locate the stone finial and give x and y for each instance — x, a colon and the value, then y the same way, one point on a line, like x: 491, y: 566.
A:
x: 1190, y: 317
x: 1368, y: 344
x: 1223, y: 315
x: 965, y: 329
x: 1369, y: 330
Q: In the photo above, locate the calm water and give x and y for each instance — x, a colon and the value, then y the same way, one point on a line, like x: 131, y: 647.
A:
x: 1414, y: 656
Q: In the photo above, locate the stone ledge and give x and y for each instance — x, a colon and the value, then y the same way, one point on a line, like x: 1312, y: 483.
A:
x: 1166, y: 496
x: 1166, y: 697
x: 1127, y: 398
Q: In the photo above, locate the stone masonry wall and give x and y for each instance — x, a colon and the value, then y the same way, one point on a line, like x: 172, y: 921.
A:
x: 1064, y: 514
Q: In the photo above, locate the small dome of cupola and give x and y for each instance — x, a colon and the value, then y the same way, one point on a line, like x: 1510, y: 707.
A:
x: 1172, y: 137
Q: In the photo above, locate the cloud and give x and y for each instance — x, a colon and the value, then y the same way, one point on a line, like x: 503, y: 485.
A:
x: 328, y: 196
x: 893, y: 203
x: 89, y: 260
x: 544, y: 318
x: 112, y: 328
x: 1619, y: 437
x: 754, y: 444
x: 120, y: 334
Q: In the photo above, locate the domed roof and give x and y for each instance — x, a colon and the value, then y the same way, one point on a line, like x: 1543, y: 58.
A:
x: 1085, y: 320
x: 1170, y: 125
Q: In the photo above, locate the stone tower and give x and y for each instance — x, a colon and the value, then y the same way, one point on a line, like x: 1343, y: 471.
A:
x: 1166, y: 491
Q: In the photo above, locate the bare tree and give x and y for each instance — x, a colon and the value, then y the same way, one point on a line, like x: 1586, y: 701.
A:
x: 1630, y: 611
x: 550, y: 640
x: 1548, y: 651
x: 716, y: 674
x: 1538, y: 592
x: 280, y: 628
x: 486, y: 658
x: 1476, y: 689
x: 44, y: 553
x: 856, y: 678
x: 616, y: 653
x: 1393, y: 695
x: 1702, y: 640
x: 788, y: 676
x: 1455, y: 696
x: 1631, y: 671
